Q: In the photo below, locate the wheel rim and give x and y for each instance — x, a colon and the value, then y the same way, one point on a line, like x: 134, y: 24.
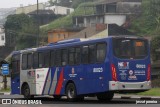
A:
x: 71, y: 93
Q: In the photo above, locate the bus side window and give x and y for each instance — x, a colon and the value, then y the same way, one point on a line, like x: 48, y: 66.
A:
x: 64, y: 57
x: 71, y: 56
x: 92, y: 53
x: 47, y: 59
x: 40, y: 60
x: 29, y: 61
x: 85, y: 54
x: 77, y: 55
x: 52, y: 58
x: 58, y: 57
x: 35, y: 60
x: 101, y: 52
x: 24, y: 61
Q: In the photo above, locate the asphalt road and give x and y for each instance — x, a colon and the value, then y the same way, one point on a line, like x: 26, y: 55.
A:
x: 88, y: 102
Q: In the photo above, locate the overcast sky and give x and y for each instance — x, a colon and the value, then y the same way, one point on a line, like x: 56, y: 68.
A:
x: 16, y: 3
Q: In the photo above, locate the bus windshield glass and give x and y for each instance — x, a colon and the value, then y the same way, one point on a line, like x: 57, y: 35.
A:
x: 130, y: 48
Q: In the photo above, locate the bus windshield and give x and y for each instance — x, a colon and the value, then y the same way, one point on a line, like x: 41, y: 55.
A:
x: 125, y: 48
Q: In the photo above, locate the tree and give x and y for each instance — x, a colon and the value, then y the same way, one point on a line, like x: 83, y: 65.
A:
x: 155, y: 44
x: 155, y: 11
x: 21, y: 31
x: 53, y: 2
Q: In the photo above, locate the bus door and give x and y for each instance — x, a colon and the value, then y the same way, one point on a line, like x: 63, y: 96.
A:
x: 15, y: 74
x: 93, y: 57
x: 131, y: 59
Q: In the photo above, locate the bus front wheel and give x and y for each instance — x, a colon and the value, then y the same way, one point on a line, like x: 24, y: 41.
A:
x: 71, y: 93
x: 107, y: 96
x: 26, y: 92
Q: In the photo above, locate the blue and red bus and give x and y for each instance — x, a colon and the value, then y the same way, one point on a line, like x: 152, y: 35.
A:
x: 83, y: 67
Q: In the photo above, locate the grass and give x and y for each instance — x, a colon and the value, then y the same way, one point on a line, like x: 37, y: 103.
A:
x: 152, y: 92
x: 7, y: 90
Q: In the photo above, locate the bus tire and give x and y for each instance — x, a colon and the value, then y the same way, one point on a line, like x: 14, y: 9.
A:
x: 71, y: 92
x: 26, y: 92
x: 105, y: 97
x: 57, y: 97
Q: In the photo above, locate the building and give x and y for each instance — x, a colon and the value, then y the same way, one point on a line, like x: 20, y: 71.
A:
x: 118, y: 6
x: 110, y: 12
x: 44, y: 16
x: 101, y: 31
x: 2, y: 37
x: 60, y: 34
x: 60, y: 10
x: 30, y: 8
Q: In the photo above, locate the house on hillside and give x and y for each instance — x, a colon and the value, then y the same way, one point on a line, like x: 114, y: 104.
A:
x: 110, y: 12
x: 29, y: 8
x: 60, y: 10
x: 60, y: 34
x: 65, y: 3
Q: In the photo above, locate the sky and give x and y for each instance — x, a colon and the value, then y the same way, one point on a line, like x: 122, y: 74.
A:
x: 16, y: 3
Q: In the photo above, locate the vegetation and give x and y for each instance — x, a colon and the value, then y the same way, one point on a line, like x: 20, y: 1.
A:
x: 155, y: 83
x: 67, y: 20
x: 155, y: 44
x: 5, y: 90
x: 148, y: 23
x: 144, y: 25
x: 152, y: 92
x: 23, y: 29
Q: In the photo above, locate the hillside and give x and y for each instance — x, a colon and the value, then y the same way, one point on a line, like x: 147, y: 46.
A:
x: 143, y: 25
x: 146, y: 24
x: 67, y: 20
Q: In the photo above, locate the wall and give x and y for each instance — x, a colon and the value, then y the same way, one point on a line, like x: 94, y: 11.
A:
x: 110, y: 18
x: 102, y: 34
x: 28, y: 9
x: 115, y: 19
x: 57, y: 36
x: 92, y: 21
x: 60, y: 10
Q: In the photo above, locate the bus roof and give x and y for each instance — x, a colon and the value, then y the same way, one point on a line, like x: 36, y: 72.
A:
x: 71, y: 42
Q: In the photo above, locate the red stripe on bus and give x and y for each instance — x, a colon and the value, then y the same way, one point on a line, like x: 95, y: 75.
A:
x: 59, y: 84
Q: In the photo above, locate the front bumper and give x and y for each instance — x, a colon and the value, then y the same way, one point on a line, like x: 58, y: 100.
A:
x: 122, y: 86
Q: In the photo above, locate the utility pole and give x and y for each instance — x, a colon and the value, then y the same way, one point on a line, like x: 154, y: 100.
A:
x: 5, y: 82
x: 37, y: 23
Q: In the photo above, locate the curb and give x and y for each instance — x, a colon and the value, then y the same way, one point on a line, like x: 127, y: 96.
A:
x: 5, y: 93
